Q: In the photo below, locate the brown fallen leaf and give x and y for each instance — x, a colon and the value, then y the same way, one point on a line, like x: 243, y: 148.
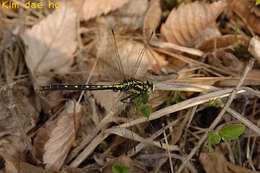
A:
x: 14, y: 146
x: 91, y: 8
x: 56, y: 137
x: 129, y: 17
x: 191, y: 22
x: 13, y: 165
x: 213, y: 162
x: 217, y: 163
x: 226, y: 61
x: 152, y: 18
x: 222, y: 42
x: 109, y: 100
x: 51, y: 43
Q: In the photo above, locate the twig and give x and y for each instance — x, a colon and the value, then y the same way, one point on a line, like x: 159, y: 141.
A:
x: 219, y: 117
x: 168, y: 151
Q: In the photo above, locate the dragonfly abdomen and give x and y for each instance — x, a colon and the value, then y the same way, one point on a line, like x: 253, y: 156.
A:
x: 115, y: 87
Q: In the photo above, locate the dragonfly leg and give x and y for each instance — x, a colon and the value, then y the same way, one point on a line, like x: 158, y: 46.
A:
x: 130, y: 96
x: 143, y: 99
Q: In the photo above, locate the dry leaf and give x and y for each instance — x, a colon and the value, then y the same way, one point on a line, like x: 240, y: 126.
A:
x: 213, y: 162
x: 152, y: 18
x: 55, y: 139
x: 93, y: 8
x: 16, y: 166
x: 222, y: 42
x: 109, y: 100
x: 243, y: 8
x: 130, y: 17
x: 190, y: 22
x: 226, y: 61
x: 26, y: 114
x: 217, y: 163
x: 14, y: 146
x: 51, y: 43
x: 238, y: 169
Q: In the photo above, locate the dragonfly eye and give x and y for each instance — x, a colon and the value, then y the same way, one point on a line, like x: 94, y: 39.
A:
x: 150, y: 86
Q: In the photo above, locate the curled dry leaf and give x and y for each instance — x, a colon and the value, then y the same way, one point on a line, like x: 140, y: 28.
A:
x: 130, y: 16
x: 222, y: 42
x: 190, y: 22
x: 152, y: 18
x: 243, y: 8
x: 55, y: 139
x: 93, y: 8
x: 51, y: 43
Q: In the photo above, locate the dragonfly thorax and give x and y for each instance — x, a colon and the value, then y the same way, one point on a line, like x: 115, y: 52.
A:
x: 138, y: 87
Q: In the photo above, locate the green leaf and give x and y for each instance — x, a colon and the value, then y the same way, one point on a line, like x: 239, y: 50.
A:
x: 179, y: 96
x: 214, y: 137
x: 138, y: 101
x: 146, y: 110
x: 257, y: 2
x: 103, y: 146
x: 215, y: 102
x: 145, y: 97
x: 172, y: 3
x: 232, y: 131
x: 117, y: 168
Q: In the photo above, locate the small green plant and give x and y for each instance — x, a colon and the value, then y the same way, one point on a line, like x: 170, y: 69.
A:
x: 215, y: 103
x: 229, y: 132
x: 144, y: 109
x: 178, y: 96
x: 213, y: 138
x: 103, y: 146
x: 117, y: 168
x: 172, y: 3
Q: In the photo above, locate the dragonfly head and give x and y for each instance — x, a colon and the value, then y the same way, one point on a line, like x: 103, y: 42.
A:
x: 150, y: 87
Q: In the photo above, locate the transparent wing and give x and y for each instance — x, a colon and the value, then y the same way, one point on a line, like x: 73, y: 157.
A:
x: 141, y: 55
x: 110, y: 65
x: 117, y: 59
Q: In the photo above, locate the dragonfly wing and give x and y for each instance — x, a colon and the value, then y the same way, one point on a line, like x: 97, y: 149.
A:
x: 109, y: 64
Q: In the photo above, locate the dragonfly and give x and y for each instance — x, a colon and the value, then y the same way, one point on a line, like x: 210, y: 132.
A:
x: 133, y: 88
x: 135, y: 91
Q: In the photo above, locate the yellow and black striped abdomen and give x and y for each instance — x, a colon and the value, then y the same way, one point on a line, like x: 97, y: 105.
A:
x: 117, y: 87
